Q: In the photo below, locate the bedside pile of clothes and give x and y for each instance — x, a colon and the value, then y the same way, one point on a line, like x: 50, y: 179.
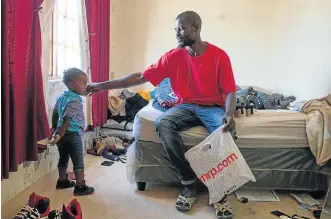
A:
x: 115, y: 135
x: 111, y: 148
x: 121, y: 112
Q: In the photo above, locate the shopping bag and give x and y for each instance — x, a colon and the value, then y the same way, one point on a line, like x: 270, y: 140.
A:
x: 219, y: 165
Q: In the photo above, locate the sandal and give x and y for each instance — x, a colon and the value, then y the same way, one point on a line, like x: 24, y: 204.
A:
x: 184, y: 203
x: 223, y: 209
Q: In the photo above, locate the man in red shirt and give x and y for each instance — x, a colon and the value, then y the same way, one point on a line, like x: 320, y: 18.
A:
x: 201, y: 76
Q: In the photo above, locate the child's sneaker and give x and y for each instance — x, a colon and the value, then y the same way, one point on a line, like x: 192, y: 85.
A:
x: 37, y: 207
x: 64, y: 184
x: 73, y: 211
x: 83, y: 190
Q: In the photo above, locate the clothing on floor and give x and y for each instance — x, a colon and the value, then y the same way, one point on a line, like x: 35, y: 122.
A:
x: 114, y: 141
x: 113, y: 157
x: 108, y: 144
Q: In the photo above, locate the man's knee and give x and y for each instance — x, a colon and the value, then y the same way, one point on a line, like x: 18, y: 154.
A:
x: 162, y: 124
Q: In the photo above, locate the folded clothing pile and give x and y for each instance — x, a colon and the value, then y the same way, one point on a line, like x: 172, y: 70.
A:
x: 113, y: 128
x: 121, y: 112
x: 250, y: 98
x: 165, y: 98
x: 122, y: 134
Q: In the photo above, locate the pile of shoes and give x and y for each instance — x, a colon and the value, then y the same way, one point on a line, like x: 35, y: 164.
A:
x: 39, y: 207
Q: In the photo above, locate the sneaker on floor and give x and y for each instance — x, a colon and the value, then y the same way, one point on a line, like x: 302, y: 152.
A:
x: 37, y: 207
x: 72, y: 211
x: 223, y: 209
x: 83, y: 190
x: 64, y: 184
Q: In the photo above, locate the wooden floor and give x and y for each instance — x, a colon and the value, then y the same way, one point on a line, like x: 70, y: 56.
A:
x: 115, y: 198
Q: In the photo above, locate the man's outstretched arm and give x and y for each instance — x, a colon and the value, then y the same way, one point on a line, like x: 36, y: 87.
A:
x: 130, y: 80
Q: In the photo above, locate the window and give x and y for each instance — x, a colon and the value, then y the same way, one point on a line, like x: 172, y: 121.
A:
x: 65, y: 36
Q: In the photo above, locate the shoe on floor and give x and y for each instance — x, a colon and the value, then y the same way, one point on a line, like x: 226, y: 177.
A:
x: 223, y: 209
x: 83, y: 190
x: 72, y: 211
x: 64, y: 184
x: 37, y: 207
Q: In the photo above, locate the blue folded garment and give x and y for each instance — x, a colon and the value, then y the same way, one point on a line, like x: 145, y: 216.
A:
x: 165, y: 98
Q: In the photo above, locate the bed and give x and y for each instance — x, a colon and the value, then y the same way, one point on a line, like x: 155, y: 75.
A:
x: 273, y: 142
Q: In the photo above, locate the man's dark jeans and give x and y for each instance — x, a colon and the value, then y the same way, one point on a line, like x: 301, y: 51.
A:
x: 180, y: 118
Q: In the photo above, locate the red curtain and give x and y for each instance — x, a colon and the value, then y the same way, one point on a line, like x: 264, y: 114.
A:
x: 98, y: 21
x: 24, y: 118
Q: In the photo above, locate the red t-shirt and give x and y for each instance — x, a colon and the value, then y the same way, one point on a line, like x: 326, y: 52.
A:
x: 205, y: 79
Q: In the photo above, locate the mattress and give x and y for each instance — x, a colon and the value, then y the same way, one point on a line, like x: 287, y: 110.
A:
x: 273, y: 168
x: 265, y: 128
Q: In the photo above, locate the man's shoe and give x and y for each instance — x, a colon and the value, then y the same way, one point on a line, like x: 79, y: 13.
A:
x: 37, y: 207
x: 223, y: 209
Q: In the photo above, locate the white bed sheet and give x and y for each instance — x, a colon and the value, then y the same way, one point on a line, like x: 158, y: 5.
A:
x: 266, y: 128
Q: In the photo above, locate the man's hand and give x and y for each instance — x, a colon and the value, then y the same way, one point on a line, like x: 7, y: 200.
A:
x: 94, y: 88
x: 55, y: 139
x: 228, y: 123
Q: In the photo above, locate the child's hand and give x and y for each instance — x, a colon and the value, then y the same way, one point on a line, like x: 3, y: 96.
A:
x: 52, y: 133
x: 54, y: 139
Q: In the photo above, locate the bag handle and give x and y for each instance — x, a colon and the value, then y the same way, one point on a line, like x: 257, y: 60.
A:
x: 205, y: 147
x: 208, y: 146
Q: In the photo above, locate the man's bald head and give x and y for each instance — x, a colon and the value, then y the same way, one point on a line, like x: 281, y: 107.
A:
x: 188, y: 27
x: 190, y: 17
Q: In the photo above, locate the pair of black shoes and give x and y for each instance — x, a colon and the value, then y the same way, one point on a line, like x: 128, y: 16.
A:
x: 79, y: 190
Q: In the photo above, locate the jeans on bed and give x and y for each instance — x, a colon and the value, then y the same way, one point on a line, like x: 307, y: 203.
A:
x: 180, y: 118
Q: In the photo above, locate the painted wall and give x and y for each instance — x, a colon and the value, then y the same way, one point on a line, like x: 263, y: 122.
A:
x: 283, y: 46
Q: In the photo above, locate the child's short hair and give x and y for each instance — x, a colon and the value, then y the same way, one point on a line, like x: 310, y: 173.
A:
x: 70, y: 74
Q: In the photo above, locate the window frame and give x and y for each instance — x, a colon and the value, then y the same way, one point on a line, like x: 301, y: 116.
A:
x: 54, y: 74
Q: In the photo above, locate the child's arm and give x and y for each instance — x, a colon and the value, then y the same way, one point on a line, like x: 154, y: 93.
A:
x: 61, y: 131
x: 64, y: 126
x: 55, y: 117
x: 70, y: 112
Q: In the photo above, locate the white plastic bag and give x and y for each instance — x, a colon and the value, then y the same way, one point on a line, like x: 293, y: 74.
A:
x: 219, y: 165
